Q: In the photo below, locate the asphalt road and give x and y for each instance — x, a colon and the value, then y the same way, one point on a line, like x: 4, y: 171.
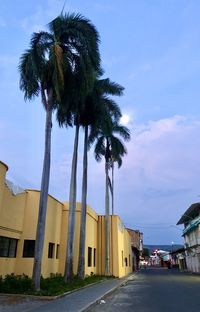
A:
x: 155, y: 290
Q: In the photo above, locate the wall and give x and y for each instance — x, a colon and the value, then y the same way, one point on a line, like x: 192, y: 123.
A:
x: 192, y: 240
x: 120, y: 247
x: 18, y: 219
x: 52, y: 234
x: 11, y: 218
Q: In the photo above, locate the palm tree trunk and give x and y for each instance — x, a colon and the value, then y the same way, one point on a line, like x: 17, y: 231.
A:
x: 81, y: 260
x: 39, y: 242
x: 72, y: 208
x: 107, y: 224
x: 112, y: 187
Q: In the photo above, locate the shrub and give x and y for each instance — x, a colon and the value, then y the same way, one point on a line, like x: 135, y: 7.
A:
x: 51, y: 286
x: 18, y: 284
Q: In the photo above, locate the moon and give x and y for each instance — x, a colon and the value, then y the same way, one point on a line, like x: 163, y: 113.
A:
x: 125, y: 119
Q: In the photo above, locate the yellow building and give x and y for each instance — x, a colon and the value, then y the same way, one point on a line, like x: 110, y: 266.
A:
x: 18, y: 220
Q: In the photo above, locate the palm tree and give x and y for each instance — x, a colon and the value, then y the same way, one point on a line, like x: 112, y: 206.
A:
x: 111, y: 181
x: 82, y: 83
x: 44, y: 70
x: 96, y: 104
x: 109, y: 146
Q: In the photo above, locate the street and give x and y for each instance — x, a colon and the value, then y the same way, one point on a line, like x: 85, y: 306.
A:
x: 155, y: 290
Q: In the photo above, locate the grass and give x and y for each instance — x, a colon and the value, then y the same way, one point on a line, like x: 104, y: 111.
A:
x: 52, y: 286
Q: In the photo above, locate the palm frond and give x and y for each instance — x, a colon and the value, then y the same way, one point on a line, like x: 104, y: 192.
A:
x: 80, y: 32
x: 109, y: 87
x: 99, y: 150
x: 117, y: 147
x: 29, y: 79
x: 111, y: 108
x: 123, y: 131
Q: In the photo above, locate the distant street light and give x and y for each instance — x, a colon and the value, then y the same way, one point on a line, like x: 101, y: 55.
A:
x: 172, y: 245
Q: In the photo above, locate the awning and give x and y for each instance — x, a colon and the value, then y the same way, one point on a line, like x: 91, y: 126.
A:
x: 191, y: 226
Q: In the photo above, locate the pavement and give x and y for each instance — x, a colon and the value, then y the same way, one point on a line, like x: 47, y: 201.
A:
x: 78, y: 301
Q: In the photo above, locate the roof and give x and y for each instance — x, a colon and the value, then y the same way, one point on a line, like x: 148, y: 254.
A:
x: 192, y: 212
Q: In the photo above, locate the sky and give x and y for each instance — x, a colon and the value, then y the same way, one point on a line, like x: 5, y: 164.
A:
x: 152, y: 48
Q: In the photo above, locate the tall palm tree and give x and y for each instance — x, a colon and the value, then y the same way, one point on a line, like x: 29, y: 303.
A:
x: 44, y: 70
x: 109, y: 145
x: 97, y: 104
x: 111, y: 180
x: 82, y: 83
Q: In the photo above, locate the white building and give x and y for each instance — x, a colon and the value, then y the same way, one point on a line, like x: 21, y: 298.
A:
x: 191, y: 234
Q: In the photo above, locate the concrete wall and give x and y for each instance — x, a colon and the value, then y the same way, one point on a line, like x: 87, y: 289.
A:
x: 120, y: 247
x: 192, y: 240
x: 18, y: 219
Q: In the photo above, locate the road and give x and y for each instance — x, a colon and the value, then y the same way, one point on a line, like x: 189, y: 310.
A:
x: 155, y: 290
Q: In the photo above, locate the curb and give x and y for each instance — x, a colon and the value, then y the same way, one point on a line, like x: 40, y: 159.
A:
x: 122, y: 283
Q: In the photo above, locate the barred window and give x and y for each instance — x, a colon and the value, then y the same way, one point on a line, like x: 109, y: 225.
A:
x: 8, y: 247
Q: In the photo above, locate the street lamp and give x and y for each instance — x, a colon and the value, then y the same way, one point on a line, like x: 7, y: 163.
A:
x: 172, y: 246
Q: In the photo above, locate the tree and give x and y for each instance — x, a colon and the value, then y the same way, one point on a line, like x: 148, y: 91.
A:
x: 109, y: 146
x: 70, y: 113
x: 44, y: 70
x: 111, y: 181
x: 96, y: 104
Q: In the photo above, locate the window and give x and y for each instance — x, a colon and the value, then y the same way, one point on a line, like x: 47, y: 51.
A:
x: 89, y: 256
x: 57, y: 251
x: 8, y: 247
x: 29, y: 248
x: 122, y: 258
x: 126, y: 261
x: 94, y: 258
x: 51, y: 250
x: 129, y: 258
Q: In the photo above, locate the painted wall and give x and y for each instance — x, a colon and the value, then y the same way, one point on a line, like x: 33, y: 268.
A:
x: 18, y: 219
x: 120, y: 247
x: 192, y: 240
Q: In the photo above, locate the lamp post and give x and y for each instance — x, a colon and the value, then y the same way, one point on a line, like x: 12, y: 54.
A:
x: 172, y: 246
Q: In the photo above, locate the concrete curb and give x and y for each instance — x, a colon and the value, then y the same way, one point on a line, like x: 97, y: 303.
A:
x: 122, y: 283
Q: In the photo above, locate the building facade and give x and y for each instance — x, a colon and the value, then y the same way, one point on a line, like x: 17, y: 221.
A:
x: 18, y: 222
x: 191, y: 234
x: 136, y: 246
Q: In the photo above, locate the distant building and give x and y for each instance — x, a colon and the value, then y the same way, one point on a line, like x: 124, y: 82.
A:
x: 18, y: 222
x: 136, y: 246
x: 191, y: 234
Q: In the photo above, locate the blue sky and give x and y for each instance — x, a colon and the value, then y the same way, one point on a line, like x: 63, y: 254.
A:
x: 152, y: 48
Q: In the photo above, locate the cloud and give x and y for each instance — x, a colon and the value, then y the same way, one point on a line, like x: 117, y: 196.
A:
x: 159, y: 178
x: 164, y: 151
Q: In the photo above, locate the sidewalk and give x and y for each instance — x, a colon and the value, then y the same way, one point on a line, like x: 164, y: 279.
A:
x: 82, y: 299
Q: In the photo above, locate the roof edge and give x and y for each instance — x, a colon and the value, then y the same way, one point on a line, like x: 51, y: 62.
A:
x: 34, y: 190
x: 2, y: 163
